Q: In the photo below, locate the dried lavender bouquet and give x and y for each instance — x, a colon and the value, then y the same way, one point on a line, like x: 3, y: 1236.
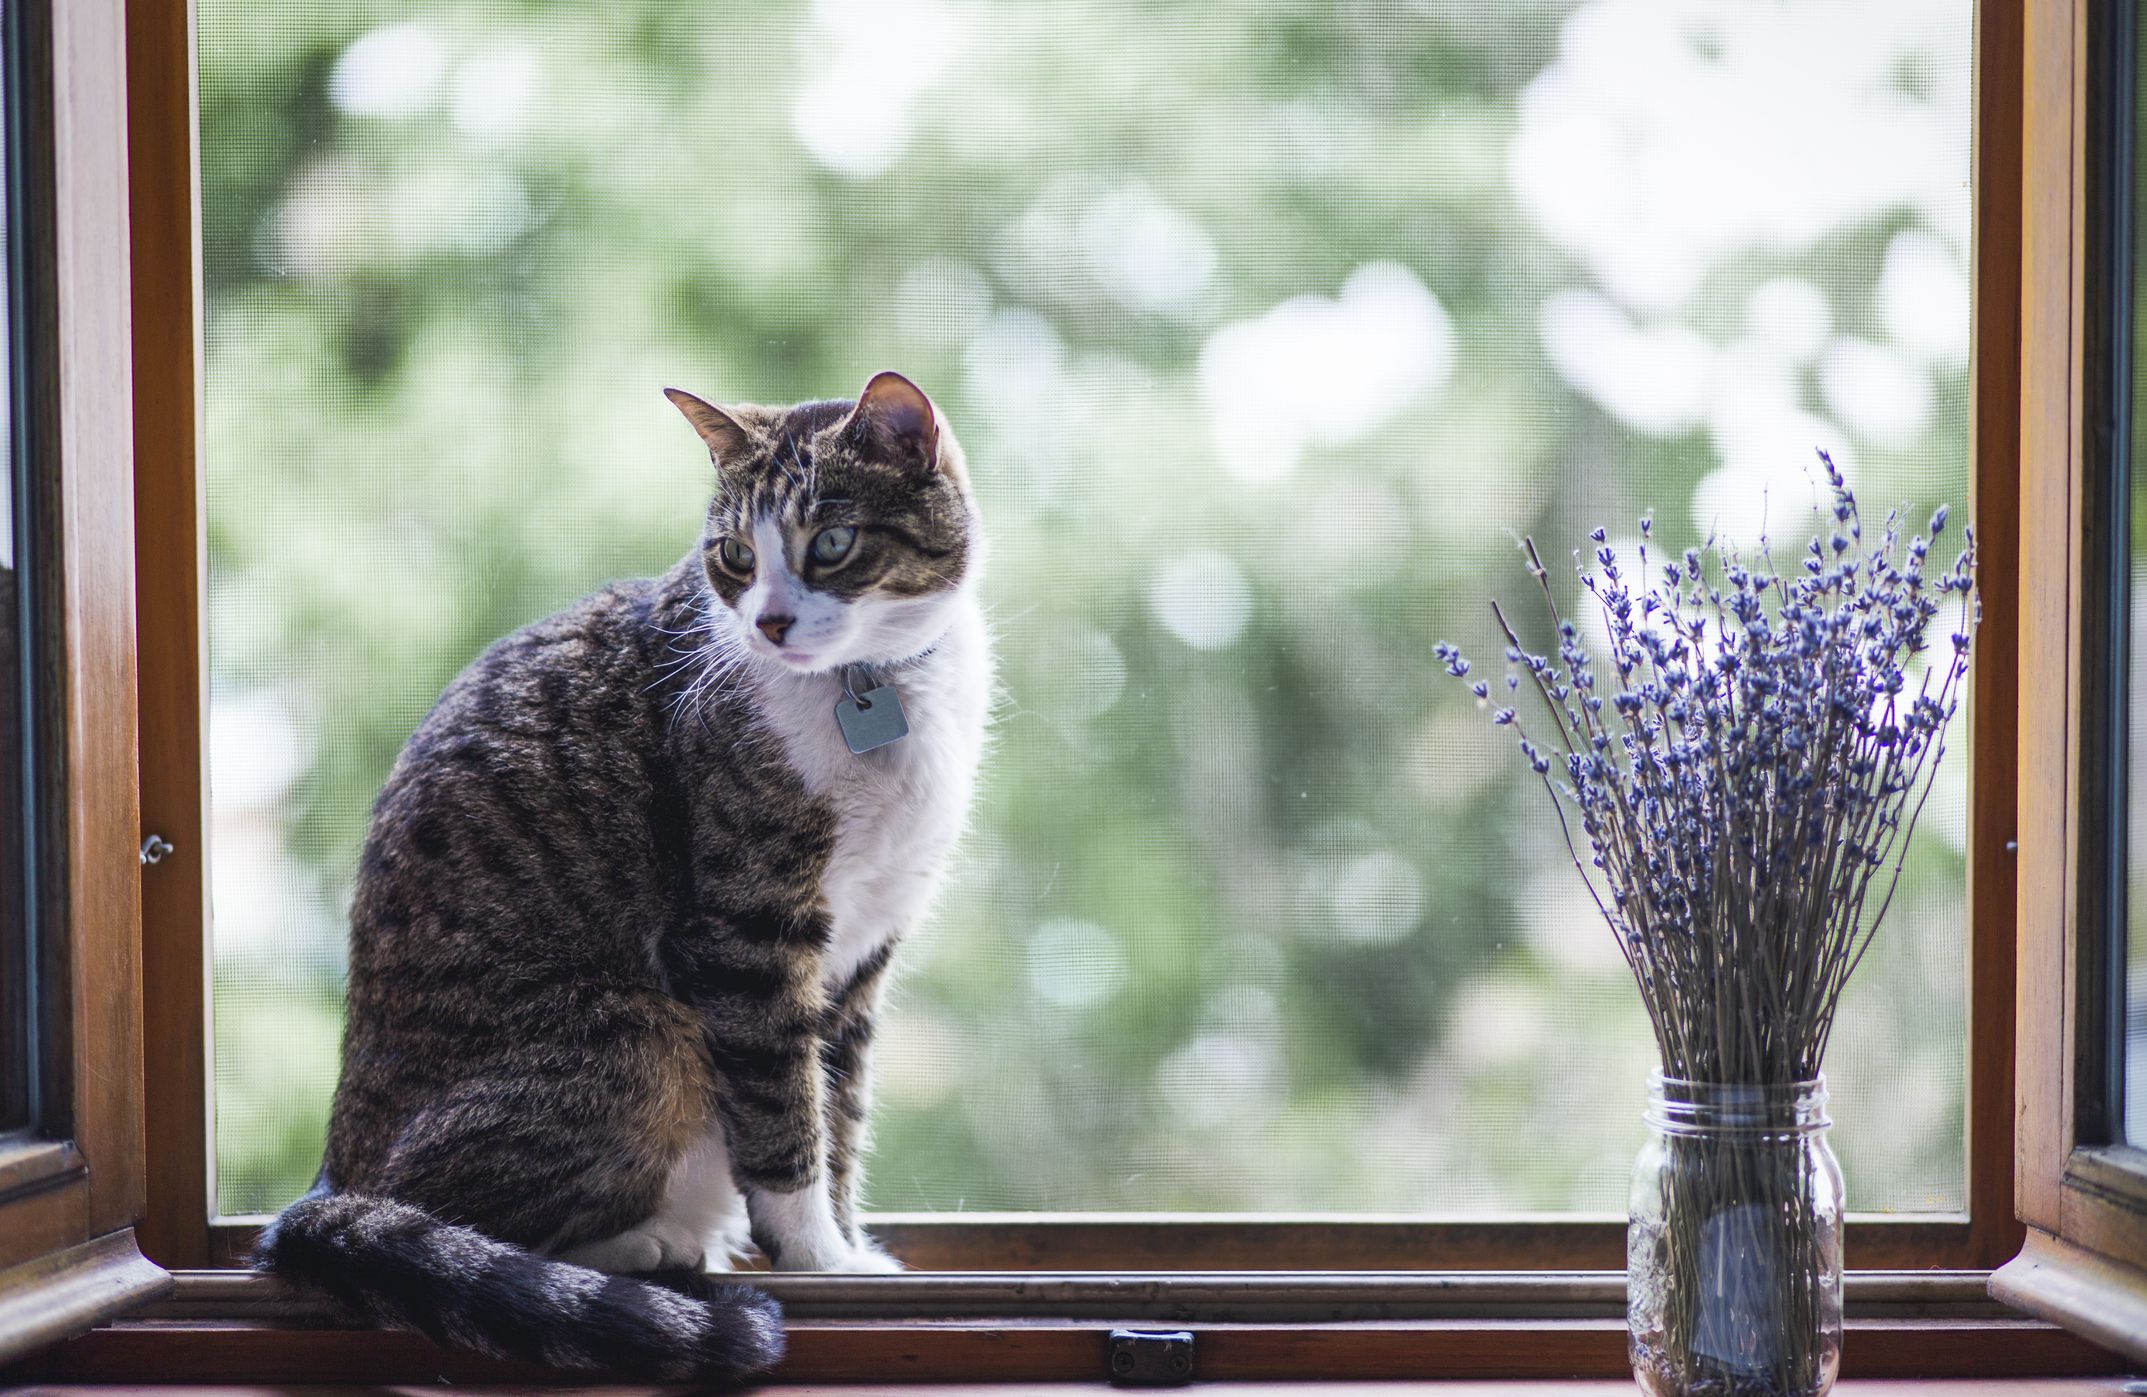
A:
x: 1746, y: 766
x: 1745, y: 761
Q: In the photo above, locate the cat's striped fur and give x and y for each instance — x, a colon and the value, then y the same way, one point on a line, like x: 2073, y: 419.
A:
x: 626, y: 912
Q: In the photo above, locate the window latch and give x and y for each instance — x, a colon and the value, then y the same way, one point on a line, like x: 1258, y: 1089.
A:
x: 1143, y: 1358
x: 155, y: 847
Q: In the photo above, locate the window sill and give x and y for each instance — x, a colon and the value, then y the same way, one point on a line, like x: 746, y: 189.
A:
x: 1053, y: 1328
x: 1218, y: 1297
x: 1162, y: 1242
x: 66, y: 1291
x: 2092, y: 1294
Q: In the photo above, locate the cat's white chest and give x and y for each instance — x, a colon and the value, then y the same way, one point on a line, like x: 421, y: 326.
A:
x: 899, y: 808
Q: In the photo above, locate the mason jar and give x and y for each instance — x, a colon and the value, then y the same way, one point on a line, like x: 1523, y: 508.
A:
x: 1733, y: 1248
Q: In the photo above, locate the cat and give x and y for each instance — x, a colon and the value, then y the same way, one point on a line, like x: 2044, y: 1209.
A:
x: 626, y: 909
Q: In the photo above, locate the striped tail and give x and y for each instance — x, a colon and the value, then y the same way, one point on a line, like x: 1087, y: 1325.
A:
x: 399, y: 1267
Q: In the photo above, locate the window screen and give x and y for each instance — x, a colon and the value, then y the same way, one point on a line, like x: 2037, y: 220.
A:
x: 1266, y: 328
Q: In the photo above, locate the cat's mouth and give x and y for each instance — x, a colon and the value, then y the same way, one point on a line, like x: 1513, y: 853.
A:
x: 800, y: 660
x: 794, y: 657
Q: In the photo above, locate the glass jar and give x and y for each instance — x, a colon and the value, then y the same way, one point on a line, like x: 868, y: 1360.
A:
x: 1733, y: 1249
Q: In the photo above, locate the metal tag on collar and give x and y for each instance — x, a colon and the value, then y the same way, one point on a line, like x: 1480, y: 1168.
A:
x: 869, y: 715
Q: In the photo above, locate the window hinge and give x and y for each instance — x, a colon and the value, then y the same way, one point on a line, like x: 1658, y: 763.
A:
x: 1144, y: 1358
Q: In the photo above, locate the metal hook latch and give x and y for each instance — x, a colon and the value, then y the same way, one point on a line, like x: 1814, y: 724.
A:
x: 1142, y: 1358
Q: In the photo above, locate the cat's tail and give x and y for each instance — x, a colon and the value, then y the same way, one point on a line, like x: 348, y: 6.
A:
x: 399, y: 1267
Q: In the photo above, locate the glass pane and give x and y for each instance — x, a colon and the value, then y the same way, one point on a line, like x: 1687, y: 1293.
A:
x: 16, y: 1003
x: 1263, y: 327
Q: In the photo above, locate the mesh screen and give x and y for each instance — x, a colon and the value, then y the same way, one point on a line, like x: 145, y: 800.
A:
x: 1265, y: 328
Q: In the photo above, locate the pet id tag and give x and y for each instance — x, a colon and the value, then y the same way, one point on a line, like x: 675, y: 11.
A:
x: 871, y: 719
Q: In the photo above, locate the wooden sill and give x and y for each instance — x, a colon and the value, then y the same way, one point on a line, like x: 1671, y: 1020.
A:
x: 1226, y: 1297
x: 66, y: 1291
x: 238, y: 1329
x: 1240, y: 1242
x: 2103, y: 1299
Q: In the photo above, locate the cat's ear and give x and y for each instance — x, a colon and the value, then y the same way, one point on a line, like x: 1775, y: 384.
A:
x: 894, y: 422
x: 725, y: 437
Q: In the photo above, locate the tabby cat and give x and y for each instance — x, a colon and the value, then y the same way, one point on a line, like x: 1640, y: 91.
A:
x: 625, y: 914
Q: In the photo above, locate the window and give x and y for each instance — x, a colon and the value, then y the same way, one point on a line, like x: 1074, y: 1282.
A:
x: 1263, y: 328
x: 70, y: 1033
x: 1925, y: 1322
x: 2082, y: 1174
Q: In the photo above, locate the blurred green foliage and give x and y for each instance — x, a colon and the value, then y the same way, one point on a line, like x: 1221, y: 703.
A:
x: 1257, y: 913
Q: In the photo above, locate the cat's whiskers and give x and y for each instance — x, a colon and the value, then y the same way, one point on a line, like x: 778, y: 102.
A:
x: 704, y: 629
x: 789, y: 467
x: 668, y: 672
x: 722, y: 659
x: 697, y: 629
x: 808, y: 473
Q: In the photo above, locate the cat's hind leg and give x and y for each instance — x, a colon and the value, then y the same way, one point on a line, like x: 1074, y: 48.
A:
x: 700, y: 1221
x: 571, y: 1145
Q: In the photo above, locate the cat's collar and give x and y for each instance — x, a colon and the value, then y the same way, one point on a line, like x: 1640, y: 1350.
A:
x: 889, y: 668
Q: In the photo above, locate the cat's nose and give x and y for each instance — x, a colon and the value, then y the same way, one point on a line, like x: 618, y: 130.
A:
x: 776, y: 627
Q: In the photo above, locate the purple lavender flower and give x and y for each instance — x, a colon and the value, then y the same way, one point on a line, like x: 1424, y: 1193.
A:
x: 1746, y: 761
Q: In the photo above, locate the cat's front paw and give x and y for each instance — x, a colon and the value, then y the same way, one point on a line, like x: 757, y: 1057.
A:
x: 803, y: 1254
x: 867, y: 1259
x: 798, y: 1232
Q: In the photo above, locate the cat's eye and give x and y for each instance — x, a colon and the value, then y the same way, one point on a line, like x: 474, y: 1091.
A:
x: 737, y: 555
x: 831, y: 546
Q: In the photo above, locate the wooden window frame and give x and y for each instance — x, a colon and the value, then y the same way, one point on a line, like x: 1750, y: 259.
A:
x: 179, y: 1230
x: 1466, y: 1311
x: 70, y: 1191
x: 2083, y: 1197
